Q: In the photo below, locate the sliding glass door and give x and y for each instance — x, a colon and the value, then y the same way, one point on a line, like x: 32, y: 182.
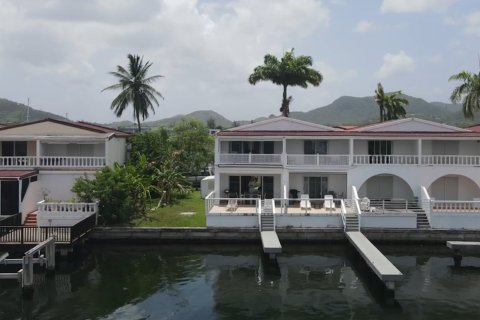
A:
x: 315, y: 187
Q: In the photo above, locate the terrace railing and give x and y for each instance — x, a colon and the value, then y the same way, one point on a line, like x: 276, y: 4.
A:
x: 52, y: 161
x: 66, y: 207
x: 317, y: 159
x: 455, y: 206
x: 13, y: 220
x: 250, y: 158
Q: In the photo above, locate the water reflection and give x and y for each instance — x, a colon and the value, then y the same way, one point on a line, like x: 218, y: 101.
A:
x: 237, y: 282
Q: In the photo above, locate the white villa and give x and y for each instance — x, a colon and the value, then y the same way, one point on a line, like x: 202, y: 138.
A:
x: 40, y: 161
x: 408, y: 173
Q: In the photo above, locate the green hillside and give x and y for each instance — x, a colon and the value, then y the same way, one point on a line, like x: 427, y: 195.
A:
x: 13, y: 112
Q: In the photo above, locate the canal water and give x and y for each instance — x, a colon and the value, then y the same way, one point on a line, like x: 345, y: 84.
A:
x: 321, y: 281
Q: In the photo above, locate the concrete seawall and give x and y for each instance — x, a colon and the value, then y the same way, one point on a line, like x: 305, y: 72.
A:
x: 211, y: 235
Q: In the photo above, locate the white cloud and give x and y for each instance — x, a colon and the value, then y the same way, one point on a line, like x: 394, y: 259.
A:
x: 415, y: 6
x: 331, y: 74
x: 473, y: 23
x: 363, y: 26
x: 395, y: 64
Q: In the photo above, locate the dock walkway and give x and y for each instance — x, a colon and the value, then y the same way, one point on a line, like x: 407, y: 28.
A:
x: 271, y: 243
x: 379, y: 264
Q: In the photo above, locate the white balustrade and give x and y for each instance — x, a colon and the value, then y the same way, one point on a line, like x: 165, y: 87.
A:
x: 451, y: 160
x: 455, y: 206
x: 317, y: 159
x: 66, y: 207
x: 67, y: 161
x: 246, y: 158
x: 27, y: 161
x: 367, y: 159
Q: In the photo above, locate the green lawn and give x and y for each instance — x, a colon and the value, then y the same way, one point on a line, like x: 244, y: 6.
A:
x: 169, y: 216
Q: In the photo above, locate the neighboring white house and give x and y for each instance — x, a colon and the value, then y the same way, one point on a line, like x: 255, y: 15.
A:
x: 41, y: 160
x: 406, y: 167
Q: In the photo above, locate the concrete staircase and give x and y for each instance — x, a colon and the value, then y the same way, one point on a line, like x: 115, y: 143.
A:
x: 422, y: 220
x: 31, y: 219
x: 267, y: 223
x: 351, y: 221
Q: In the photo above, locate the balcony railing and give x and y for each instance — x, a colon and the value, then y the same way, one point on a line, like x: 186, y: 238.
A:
x: 317, y: 159
x: 366, y: 159
x: 451, y: 160
x: 66, y: 207
x: 250, y: 158
x: 52, y: 162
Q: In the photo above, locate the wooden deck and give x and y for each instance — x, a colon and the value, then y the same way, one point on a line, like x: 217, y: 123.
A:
x: 379, y: 264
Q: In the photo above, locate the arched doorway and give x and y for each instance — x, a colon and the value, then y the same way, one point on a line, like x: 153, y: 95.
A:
x: 454, y: 187
x: 386, y: 186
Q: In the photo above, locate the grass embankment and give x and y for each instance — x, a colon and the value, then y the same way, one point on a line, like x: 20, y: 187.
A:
x: 170, y: 215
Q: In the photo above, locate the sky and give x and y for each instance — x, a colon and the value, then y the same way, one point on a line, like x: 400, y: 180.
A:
x: 58, y: 53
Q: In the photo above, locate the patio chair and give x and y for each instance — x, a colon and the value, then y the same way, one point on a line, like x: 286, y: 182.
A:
x: 365, y: 205
x: 232, y: 205
x: 305, y: 202
x: 328, y: 202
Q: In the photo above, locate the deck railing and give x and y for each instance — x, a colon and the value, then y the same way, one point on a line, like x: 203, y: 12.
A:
x: 30, y: 234
x: 52, y: 161
x: 250, y: 158
x: 317, y: 159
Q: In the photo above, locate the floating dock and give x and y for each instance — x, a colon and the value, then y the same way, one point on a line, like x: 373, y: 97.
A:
x: 459, y: 246
x: 379, y: 264
x: 271, y: 243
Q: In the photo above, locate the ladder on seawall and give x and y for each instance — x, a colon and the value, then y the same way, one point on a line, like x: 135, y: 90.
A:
x: 270, y: 242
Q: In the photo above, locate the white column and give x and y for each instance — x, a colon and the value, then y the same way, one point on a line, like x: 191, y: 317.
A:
x: 419, y: 151
x: 217, y: 151
x: 285, y: 184
x: 217, y: 184
x: 38, y: 153
x: 350, y: 151
x: 284, y: 151
x: 107, y: 151
x: 20, y: 195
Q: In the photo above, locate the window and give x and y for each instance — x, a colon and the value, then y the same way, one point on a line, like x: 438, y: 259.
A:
x: 378, y: 150
x: 315, y: 146
x: 315, y: 187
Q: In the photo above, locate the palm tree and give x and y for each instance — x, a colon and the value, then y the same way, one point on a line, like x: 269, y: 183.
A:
x: 391, y: 105
x: 289, y: 71
x: 380, y: 100
x: 468, y: 92
x: 394, y: 105
x: 136, y: 89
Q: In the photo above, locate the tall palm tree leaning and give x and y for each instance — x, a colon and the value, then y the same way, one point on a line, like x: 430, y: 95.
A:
x: 468, y: 92
x: 289, y: 71
x: 135, y: 89
x: 391, y: 106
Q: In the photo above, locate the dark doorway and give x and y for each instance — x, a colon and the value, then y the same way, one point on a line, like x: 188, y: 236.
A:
x: 9, y: 197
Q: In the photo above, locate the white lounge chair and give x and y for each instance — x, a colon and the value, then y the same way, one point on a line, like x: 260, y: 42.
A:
x: 328, y: 202
x: 232, y: 205
x: 305, y: 202
x: 365, y: 205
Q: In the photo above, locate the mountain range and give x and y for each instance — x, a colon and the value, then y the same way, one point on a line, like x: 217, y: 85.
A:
x: 345, y: 110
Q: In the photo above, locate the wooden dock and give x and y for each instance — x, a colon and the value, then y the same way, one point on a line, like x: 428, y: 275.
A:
x: 379, y: 264
x: 271, y: 243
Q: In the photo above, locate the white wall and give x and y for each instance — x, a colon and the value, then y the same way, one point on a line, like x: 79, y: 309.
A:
x: 58, y: 185
x: 230, y: 221
x: 455, y: 220
x: 32, y: 196
x: 360, y: 147
x: 403, y: 147
x: 390, y: 221
x: 294, y: 146
x: 338, y: 147
x: 469, y: 147
x: 60, y: 219
x: 298, y: 221
x: 116, y: 150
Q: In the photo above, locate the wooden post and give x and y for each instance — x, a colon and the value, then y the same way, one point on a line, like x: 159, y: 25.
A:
x: 50, y: 255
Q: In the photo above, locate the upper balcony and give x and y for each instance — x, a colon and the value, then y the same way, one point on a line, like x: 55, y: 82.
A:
x: 52, y: 162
